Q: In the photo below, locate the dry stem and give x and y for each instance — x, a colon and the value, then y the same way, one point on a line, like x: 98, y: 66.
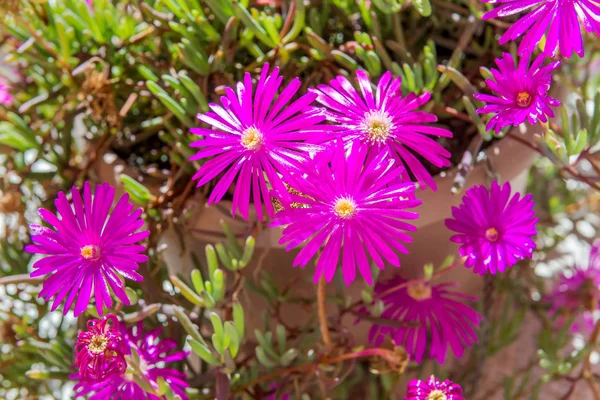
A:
x: 321, y: 303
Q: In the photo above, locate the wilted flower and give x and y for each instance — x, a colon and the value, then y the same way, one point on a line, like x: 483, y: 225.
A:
x: 577, y: 293
x: 433, y: 389
x: 100, y: 351
x: 257, y: 134
x: 353, y: 204
x: 432, y: 317
x: 386, y: 121
x: 153, y: 353
x: 494, y: 230
x: 521, y: 92
x: 557, y: 20
x: 90, y: 250
x: 6, y: 98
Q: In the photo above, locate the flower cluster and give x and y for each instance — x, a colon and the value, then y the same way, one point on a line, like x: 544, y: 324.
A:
x: 344, y: 160
x: 115, y: 346
x: 355, y: 198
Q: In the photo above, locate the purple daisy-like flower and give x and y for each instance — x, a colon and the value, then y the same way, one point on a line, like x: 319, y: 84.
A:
x: 433, y: 389
x: 100, y: 351
x: 521, y: 92
x: 90, y: 248
x: 577, y: 293
x: 257, y: 134
x: 153, y: 353
x: 558, y: 20
x: 6, y: 98
x: 435, y: 318
x: 385, y: 120
x: 494, y: 230
x: 349, y: 204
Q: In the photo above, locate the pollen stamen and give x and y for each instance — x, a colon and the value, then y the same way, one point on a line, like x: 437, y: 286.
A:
x: 377, y: 126
x: 90, y: 252
x: 523, y: 99
x: 437, y: 395
x: 97, y: 344
x: 419, y: 291
x: 492, y: 234
x: 252, y: 139
x: 345, y: 207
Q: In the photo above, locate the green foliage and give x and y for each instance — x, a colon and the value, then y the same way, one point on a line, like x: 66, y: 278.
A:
x: 550, y: 342
x: 205, y: 293
x: 138, y: 192
x: 271, y: 356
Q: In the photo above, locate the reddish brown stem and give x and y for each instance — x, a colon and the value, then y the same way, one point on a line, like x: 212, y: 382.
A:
x: 322, y: 310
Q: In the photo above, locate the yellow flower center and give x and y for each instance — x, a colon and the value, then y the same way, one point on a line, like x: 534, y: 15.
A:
x: 97, y: 344
x: 90, y: 252
x: 344, y: 207
x: 419, y: 291
x: 436, y: 395
x: 491, y: 234
x: 252, y: 139
x: 377, y: 126
x: 523, y: 99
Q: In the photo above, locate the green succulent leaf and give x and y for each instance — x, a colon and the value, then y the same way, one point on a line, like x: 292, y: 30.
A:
x: 138, y: 192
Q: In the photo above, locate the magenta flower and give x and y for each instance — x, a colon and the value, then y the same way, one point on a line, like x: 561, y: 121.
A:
x: 153, y: 353
x: 386, y: 121
x: 100, y: 351
x: 521, y: 93
x: 577, y: 293
x: 89, y: 250
x: 433, y: 316
x: 256, y: 134
x: 433, y: 389
x: 6, y: 98
x: 350, y: 204
x: 493, y: 231
x: 558, y: 20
